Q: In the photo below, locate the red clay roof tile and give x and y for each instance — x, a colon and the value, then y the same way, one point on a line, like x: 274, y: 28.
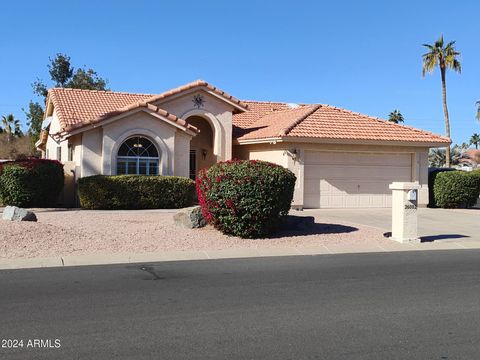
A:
x: 321, y: 122
x: 261, y: 120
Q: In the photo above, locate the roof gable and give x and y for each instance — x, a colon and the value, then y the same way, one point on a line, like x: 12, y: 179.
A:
x: 200, y: 85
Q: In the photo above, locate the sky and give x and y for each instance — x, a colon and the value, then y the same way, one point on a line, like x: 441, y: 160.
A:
x: 365, y: 56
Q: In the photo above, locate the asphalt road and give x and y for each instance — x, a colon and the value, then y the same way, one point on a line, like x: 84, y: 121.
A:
x: 412, y: 305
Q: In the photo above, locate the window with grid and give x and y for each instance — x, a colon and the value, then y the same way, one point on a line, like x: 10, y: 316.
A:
x: 137, y: 156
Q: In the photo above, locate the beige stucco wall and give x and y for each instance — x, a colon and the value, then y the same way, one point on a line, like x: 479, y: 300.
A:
x: 277, y: 153
x: 91, y: 152
x: 181, y: 165
x: 95, y: 150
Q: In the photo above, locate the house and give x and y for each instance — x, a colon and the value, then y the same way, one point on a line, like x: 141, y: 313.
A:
x: 342, y: 159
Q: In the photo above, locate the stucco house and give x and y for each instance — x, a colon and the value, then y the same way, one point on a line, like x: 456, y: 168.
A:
x: 342, y: 159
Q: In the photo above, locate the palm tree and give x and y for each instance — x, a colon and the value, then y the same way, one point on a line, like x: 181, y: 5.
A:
x: 395, y: 116
x: 437, y: 157
x: 11, y: 126
x: 474, y: 140
x: 445, y: 56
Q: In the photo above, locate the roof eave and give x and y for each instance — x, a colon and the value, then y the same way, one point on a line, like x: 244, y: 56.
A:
x: 429, y: 144
x: 106, y: 121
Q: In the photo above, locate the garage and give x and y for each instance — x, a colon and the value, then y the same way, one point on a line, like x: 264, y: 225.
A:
x: 352, y: 180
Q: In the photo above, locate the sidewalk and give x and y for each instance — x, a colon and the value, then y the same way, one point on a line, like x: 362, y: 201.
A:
x: 104, y: 259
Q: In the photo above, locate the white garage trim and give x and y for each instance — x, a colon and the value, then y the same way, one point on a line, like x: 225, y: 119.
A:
x: 353, y: 179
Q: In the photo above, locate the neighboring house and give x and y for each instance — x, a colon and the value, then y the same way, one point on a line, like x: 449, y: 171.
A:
x: 341, y: 159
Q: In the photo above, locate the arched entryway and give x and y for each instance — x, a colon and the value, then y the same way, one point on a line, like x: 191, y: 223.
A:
x: 201, y: 146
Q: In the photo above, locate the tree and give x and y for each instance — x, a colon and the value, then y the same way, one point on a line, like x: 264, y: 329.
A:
x: 34, y: 121
x: 62, y: 74
x: 478, y: 110
x: 437, y: 157
x: 60, y: 69
x: 396, y: 117
x: 11, y: 126
x: 86, y: 79
x: 475, y: 140
x: 445, y: 56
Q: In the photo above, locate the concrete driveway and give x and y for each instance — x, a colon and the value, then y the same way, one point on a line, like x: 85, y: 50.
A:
x: 433, y: 224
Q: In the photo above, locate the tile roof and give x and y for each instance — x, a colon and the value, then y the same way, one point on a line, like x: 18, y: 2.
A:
x: 261, y: 120
x: 77, y: 108
x: 138, y: 104
x: 321, y: 122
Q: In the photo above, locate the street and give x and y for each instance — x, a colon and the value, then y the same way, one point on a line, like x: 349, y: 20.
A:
x: 403, y: 305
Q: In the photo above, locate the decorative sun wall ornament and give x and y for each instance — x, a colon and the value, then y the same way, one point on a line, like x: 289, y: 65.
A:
x: 198, y: 101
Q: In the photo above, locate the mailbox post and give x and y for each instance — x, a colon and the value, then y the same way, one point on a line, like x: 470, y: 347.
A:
x: 404, y: 211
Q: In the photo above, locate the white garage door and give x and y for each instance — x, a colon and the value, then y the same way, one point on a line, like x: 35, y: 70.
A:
x: 350, y: 180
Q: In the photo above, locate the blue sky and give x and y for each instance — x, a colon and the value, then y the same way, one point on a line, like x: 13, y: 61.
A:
x: 363, y: 56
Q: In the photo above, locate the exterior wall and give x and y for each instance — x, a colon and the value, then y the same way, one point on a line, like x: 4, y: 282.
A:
x: 181, y: 165
x: 161, y: 133
x: 279, y: 156
x: 215, y: 111
x: 91, y: 154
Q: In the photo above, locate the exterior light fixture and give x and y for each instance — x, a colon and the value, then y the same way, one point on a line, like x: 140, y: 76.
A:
x: 292, y: 153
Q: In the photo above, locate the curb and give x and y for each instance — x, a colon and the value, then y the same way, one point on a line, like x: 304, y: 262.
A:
x: 128, y: 258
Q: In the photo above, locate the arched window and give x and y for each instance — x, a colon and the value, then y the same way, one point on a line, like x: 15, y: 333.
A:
x: 137, y: 156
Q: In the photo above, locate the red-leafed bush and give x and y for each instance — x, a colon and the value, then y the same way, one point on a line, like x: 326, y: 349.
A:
x: 245, y: 198
x: 31, y: 182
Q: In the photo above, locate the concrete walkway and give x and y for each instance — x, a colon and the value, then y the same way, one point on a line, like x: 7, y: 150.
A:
x: 433, y: 224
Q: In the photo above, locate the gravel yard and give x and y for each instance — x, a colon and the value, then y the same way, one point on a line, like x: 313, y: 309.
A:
x: 81, y: 232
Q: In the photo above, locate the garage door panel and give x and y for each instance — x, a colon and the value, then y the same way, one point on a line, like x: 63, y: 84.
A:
x: 357, y: 172
x: 333, y: 158
x: 353, y: 179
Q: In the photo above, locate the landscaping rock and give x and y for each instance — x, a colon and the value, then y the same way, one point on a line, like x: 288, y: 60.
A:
x: 291, y: 222
x: 14, y: 213
x: 190, y: 218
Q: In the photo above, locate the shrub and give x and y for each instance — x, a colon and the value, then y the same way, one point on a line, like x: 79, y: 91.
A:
x: 245, y: 198
x: 456, y: 189
x: 432, y: 175
x: 31, y: 182
x: 135, y: 192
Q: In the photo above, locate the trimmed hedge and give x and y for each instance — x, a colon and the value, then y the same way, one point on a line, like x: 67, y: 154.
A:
x: 245, y: 198
x: 135, y: 192
x: 31, y: 182
x: 432, y: 175
x: 455, y: 189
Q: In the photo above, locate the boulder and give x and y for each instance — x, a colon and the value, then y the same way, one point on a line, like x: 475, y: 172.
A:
x: 190, y: 218
x: 291, y: 222
x: 14, y: 213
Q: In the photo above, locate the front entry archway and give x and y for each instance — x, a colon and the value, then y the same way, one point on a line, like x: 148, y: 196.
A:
x: 201, y: 146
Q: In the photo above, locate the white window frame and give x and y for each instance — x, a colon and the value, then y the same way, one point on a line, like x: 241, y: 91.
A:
x: 138, y: 159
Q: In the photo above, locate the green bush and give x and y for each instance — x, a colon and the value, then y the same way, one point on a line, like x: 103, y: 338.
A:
x: 245, y: 198
x: 455, y: 189
x: 432, y: 175
x: 31, y: 182
x: 135, y: 192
